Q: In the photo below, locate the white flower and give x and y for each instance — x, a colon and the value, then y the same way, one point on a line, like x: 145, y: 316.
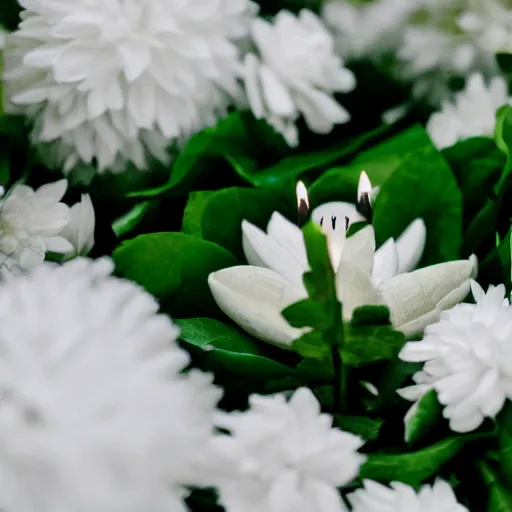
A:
x: 3, y: 34
x: 254, y: 296
x: 453, y: 38
x: 468, y: 359
x: 295, y: 72
x: 285, y: 456
x: 110, y: 81
x: 31, y: 224
x: 375, y: 497
x: 95, y: 412
x: 367, y: 29
x: 473, y: 112
x: 80, y: 229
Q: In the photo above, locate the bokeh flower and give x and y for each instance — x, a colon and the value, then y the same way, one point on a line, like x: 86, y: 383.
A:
x: 285, y: 456
x: 117, y: 81
x: 294, y: 72
x: 96, y: 413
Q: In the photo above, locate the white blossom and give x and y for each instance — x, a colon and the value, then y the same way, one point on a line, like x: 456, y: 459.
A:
x: 367, y: 30
x: 31, y: 224
x: 285, y: 456
x: 254, y: 295
x: 80, y: 229
x: 95, y: 412
x: 452, y: 38
x: 295, y: 72
x: 117, y: 80
x: 399, y: 497
x: 471, y: 114
x: 468, y: 359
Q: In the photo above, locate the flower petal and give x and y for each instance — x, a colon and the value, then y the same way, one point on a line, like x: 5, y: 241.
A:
x: 410, y: 245
x: 359, y: 249
x: 385, y: 262
x: 416, y: 299
x: 253, y: 297
x: 355, y: 288
x: 289, y: 236
x: 263, y: 250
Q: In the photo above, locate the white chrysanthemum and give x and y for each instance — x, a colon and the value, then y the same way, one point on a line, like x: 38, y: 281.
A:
x: 472, y: 113
x: 453, y: 38
x: 95, y: 413
x: 367, y: 29
x: 285, y: 456
x: 114, y: 80
x: 295, y: 72
x: 31, y: 223
x: 375, y: 497
x: 468, y: 359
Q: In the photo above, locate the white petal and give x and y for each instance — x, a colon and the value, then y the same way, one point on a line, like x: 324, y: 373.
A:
x: 253, y: 86
x: 80, y: 229
x: 385, y: 262
x: 359, y: 249
x: 53, y: 191
x: 58, y: 244
x: 263, y: 250
x: 410, y: 245
x: 289, y: 236
x: 423, y: 292
x: 277, y: 96
x: 253, y: 297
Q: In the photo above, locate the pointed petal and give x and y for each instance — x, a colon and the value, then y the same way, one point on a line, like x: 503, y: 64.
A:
x: 354, y: 288
x: 54, y: 191
x: 262, y: 250
x: 422, y: 294
x: 289, y: 236
x: 385, y: 262
x: 253, y: 297
x: 359, y: 249
x: 410, y: 245
x: 58, y: 245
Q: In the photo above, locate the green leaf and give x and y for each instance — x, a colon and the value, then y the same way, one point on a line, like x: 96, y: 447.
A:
x: 229, y: 349
x: 130, y: 220
x: 503, y: 137
x: 371, y: 343
x: 225, y: 210
x: 476, y: 164
x: 427, y: 414
x: 307, y: 313
x: 193, y: 214
x: 499, y: 498
x: 312, y: 345
x: 370, y: 315
x: 173, y: 267
x: 367, y: 428
x: 294, y: 167
x: 411, y: 468
x: 380, y: 162
x: 423, y: 186
x: 505, y: 444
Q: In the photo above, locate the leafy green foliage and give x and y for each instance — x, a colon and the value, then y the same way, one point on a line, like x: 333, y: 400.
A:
x: 173, y: 267
x: 221, y: 220
x: 367, y: 428
x: 379, y: 162
x: 427, y: 414
x: 227, y: 348
x: 193, y: 214
x: 423, y: 186
x: 411, y: 468
x: 505, y: 443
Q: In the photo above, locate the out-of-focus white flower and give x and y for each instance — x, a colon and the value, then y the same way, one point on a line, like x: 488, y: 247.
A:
x: 448, y: 38
x: 375, y: 497
x: 468, y: 359
x: 80, y: 229
x: 472, y: 113
x: 295, y: 72
x: 253, y: 296
x: 96, y: 413
x: 3, y: 34
x: 285, y: 456
x: 31, y: 224
x: 113, y: 81
x: 367, y: 29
